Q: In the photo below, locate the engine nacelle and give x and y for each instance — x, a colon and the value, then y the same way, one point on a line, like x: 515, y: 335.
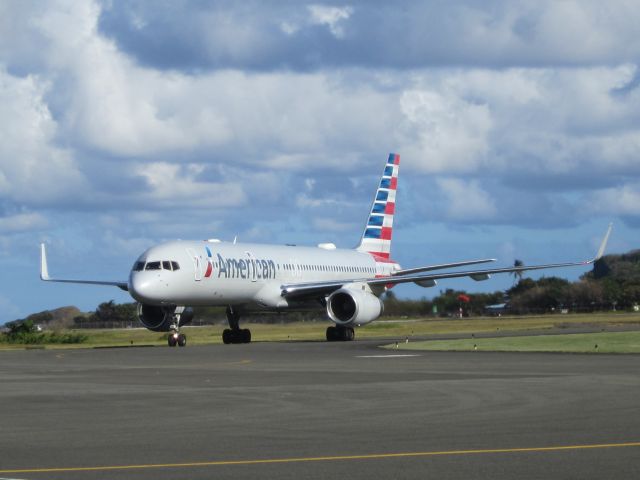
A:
x: 162, y: 319
x: 353, y: 307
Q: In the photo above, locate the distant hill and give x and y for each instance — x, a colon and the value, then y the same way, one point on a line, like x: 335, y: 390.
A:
x: 57, y: 318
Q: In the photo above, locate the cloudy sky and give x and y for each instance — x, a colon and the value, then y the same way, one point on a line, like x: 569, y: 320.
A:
x: 128, y: 123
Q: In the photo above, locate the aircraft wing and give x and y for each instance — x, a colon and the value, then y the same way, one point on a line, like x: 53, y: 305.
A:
x: 44, y: 274
x: 408, y: 271
x: 317, y: 288
x: 474, y: 274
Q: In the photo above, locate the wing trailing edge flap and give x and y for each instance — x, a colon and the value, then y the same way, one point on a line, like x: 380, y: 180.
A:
x: 410, y: 271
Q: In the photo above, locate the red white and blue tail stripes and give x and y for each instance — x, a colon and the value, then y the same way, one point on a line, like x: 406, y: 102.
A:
x: 376, y: 238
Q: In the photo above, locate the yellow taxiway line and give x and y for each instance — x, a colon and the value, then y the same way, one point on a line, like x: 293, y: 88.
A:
x: 373, y: 456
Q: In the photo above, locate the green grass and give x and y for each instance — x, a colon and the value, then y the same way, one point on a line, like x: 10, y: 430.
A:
x: 385, y: 328
x: 618, y: 342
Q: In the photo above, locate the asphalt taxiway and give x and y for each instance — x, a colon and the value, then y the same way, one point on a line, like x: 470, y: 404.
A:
x: 316, y: 410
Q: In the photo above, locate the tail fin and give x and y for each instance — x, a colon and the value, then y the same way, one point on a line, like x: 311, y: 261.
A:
x: 376, y: 238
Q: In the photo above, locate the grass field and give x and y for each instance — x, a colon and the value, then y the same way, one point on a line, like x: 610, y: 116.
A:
x: 398, y: 329
x: 607, y: 342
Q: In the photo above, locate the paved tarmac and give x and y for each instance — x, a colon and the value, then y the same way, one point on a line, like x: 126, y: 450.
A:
x: 316, y: 410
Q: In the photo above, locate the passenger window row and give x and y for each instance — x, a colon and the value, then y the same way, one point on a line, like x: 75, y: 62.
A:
x: 328, y: 268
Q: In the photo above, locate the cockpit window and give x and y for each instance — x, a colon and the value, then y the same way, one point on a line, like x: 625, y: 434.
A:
x: 160, y: 265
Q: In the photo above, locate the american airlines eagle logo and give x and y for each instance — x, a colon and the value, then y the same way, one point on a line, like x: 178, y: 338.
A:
x: 209, y: 263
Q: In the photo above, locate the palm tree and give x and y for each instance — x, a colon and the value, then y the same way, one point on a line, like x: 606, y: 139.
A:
x: 517, y: 275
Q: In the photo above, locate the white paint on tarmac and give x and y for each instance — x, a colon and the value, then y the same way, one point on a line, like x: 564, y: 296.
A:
x: 388, y: 356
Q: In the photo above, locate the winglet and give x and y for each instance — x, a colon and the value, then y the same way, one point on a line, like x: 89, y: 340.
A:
x: 44, y: 269
x: 44, y: 274
x: 603, y: 245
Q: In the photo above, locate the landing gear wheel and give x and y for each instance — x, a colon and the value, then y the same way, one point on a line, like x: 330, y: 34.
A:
x: 343, y: 334
x: 245, y: 335
x: 235, y: 334
x: 172, y: 340
x: 349, y: 334
x: 182, y: 340
x: 331, y: 334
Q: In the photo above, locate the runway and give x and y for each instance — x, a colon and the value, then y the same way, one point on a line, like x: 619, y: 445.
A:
x: 316, y: 410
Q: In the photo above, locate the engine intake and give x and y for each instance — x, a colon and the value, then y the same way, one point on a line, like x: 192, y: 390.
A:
x: 161, y: 319
x: 353, y: 307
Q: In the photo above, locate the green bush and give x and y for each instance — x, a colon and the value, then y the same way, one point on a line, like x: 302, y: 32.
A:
x: 42, y: 338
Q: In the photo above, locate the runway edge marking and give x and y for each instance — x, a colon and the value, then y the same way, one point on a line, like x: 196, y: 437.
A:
x: 374, y: 456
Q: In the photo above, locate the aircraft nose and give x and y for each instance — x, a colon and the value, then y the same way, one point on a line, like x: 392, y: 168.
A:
x: 141, y: 287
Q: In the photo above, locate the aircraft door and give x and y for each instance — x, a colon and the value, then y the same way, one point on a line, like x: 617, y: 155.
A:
x: 296, y: 267
x: 251, y: 270
x: 197, y: 264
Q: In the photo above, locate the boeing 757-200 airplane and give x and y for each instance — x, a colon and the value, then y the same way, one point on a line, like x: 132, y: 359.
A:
x: 168, y: 279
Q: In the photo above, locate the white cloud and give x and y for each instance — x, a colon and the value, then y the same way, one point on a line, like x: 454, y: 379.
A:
x: 549, y: 120
x: 306, y: 201
x: 444, y: 131
x: 441, y: 120
x: 22, y: 222
x: 332, y: 17
x: 289, y: 27
x: 174, y: 185
x: 114, y: 104
x: 622, y: 201
x: 33, y: 169
x: 119, y: 107
x: 466, y: 200
x: 476, y: 121
x: 325, y: 224
x: 524, y: 33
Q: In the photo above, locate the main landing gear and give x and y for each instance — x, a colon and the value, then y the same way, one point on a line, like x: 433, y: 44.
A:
x: 235, y: 334
x: 340, y: 334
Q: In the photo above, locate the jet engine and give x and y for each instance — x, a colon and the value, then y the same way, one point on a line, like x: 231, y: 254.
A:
x: 162, y: 319
x: 349, y: 307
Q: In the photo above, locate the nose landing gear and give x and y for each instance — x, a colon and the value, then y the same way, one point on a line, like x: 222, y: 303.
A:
x: 175, y: 337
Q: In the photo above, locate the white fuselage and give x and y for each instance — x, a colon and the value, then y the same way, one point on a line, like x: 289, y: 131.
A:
x: 220, y: 273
